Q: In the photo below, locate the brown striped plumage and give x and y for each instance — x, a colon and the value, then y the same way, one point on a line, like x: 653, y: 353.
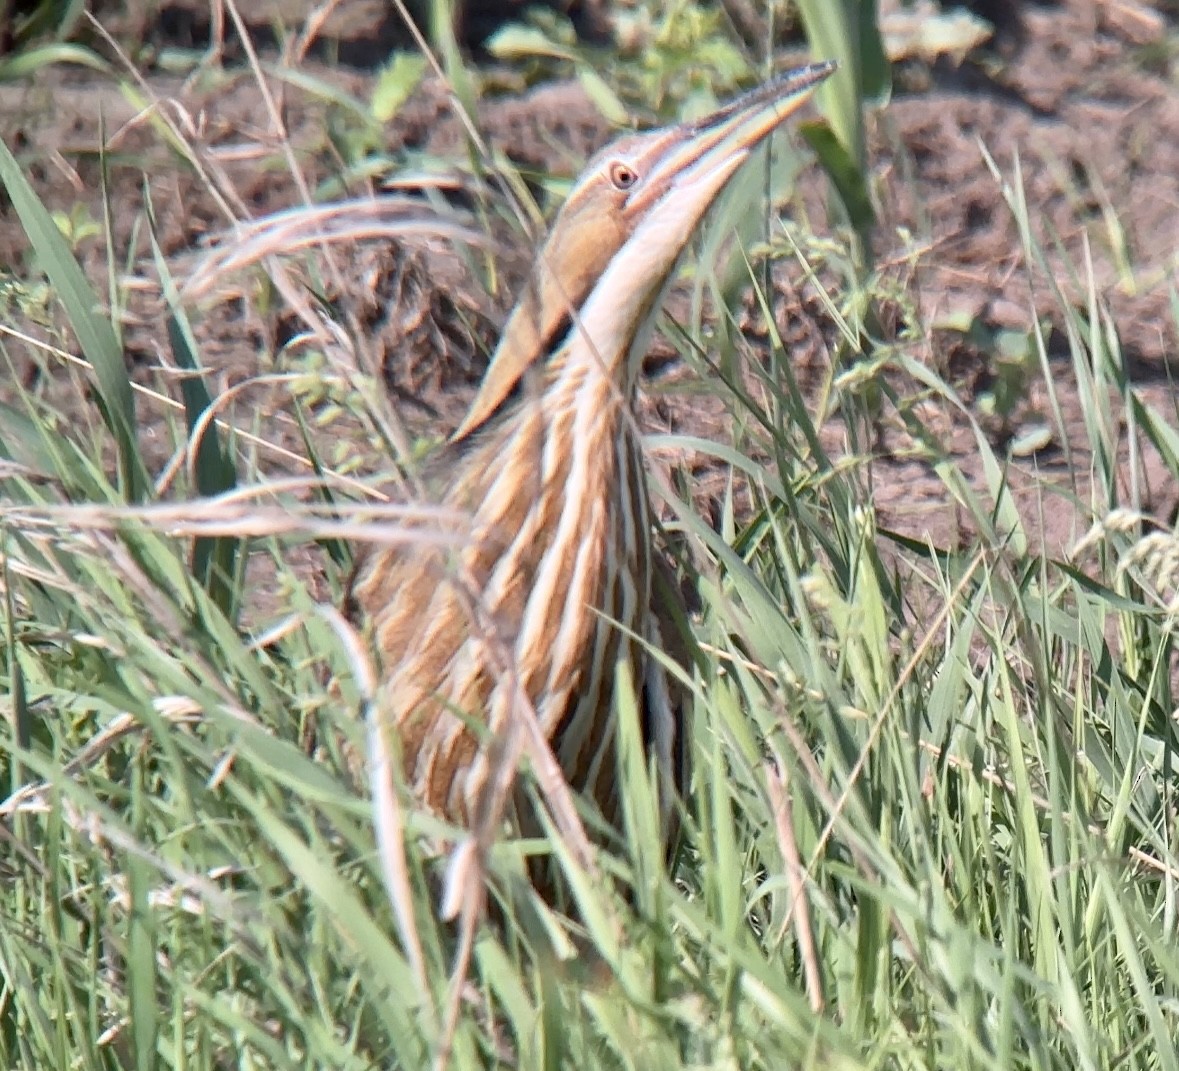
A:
x: 549, y: 465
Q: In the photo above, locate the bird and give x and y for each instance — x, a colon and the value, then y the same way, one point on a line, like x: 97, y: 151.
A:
x: 559, y: 580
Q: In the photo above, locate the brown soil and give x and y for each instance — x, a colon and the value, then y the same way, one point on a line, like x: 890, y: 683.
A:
x: 1081, y: 93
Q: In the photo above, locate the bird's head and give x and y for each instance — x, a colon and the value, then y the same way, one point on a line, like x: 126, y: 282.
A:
x: 624, y: 226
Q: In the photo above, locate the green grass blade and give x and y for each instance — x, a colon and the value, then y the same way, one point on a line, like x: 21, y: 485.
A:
x: 94, y: 332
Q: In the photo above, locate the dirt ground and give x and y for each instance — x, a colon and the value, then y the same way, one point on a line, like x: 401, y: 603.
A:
x: 1081, y: 92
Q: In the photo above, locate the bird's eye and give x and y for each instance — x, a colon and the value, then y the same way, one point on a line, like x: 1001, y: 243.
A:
x: 622, y: 175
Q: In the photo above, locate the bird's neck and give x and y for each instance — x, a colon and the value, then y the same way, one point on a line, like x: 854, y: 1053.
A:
x: 566, y: 419
x: 565, y: 324
x: 557, y: 488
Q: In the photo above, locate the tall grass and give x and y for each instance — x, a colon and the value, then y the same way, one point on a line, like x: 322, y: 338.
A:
x: 930, y: 824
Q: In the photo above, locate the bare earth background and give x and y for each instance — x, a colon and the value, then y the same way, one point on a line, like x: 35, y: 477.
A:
x: 1079, y: 90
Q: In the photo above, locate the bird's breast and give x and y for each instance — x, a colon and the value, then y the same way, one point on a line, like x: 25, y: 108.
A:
x: 548, y: 595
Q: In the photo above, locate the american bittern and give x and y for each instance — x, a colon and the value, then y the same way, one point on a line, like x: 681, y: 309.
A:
x: 550, y: 466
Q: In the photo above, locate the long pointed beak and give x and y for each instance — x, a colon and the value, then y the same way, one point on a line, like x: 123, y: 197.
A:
x: 724, y: 139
